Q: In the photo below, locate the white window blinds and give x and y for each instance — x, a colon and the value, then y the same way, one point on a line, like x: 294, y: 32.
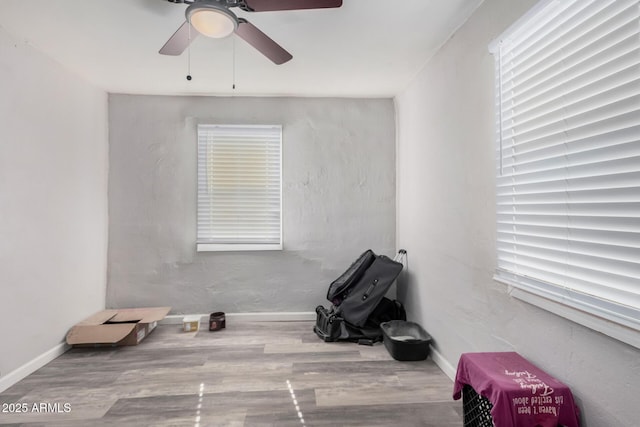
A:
x: 568, y: 156
x: 239, y: 187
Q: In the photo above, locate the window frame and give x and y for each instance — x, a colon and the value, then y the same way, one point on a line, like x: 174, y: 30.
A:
x: 611, y: 318
x: 207, y: 246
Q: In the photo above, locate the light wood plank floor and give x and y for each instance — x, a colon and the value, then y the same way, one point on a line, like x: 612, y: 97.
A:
x: 249, y: 374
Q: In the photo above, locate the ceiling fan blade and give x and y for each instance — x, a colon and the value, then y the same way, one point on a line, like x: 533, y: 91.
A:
x: 179, y: 41
x: 262, y: 42
x: 269, y: 5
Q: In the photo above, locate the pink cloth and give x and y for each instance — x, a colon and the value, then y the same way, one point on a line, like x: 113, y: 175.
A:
x: 521, y: 394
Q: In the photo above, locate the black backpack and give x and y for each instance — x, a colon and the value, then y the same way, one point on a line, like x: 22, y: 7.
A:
x: 358, y: 301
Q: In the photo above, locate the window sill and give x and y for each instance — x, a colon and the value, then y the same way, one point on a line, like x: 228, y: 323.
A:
x: 623, y: 333
x: 230, y: 247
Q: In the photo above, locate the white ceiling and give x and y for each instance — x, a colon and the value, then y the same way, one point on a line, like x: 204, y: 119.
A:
x: 366, y: 48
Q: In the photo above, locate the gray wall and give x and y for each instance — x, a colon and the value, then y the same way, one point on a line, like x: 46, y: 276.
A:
x: 53, y: 203
x: 446, y: 221
x: 338, y: 197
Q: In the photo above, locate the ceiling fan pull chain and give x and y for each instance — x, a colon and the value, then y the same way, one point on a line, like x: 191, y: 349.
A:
x: 234, y: 65
x: 189, y: 55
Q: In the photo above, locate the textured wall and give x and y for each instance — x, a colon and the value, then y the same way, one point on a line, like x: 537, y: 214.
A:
x: 446, y: 222
x: 53, y: 202
x: 338, y: 198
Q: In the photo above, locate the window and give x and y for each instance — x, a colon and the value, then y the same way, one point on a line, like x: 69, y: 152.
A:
x: 239, y: 188
x: 568, y: 161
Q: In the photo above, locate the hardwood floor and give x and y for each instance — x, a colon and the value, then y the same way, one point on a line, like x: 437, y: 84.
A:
x: 249, y: 374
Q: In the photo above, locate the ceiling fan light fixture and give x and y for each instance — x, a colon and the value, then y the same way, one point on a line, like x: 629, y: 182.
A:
x: 211, y: 19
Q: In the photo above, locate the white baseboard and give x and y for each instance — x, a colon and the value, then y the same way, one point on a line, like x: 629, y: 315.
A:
x: 293, y: 316
x: 28, y: 368
x: 443, y: 363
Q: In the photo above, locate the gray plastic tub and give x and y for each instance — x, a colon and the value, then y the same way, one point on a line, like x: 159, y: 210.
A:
x: 405, y: 341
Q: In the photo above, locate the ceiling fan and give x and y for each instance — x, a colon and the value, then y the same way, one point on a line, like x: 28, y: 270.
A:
x: 214, y: 18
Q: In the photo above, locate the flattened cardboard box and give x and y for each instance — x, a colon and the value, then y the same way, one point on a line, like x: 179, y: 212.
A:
x: 125, y: 326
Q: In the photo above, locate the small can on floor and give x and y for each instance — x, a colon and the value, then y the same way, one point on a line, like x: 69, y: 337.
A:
x: 191, y: 323
x: 217, y: 321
